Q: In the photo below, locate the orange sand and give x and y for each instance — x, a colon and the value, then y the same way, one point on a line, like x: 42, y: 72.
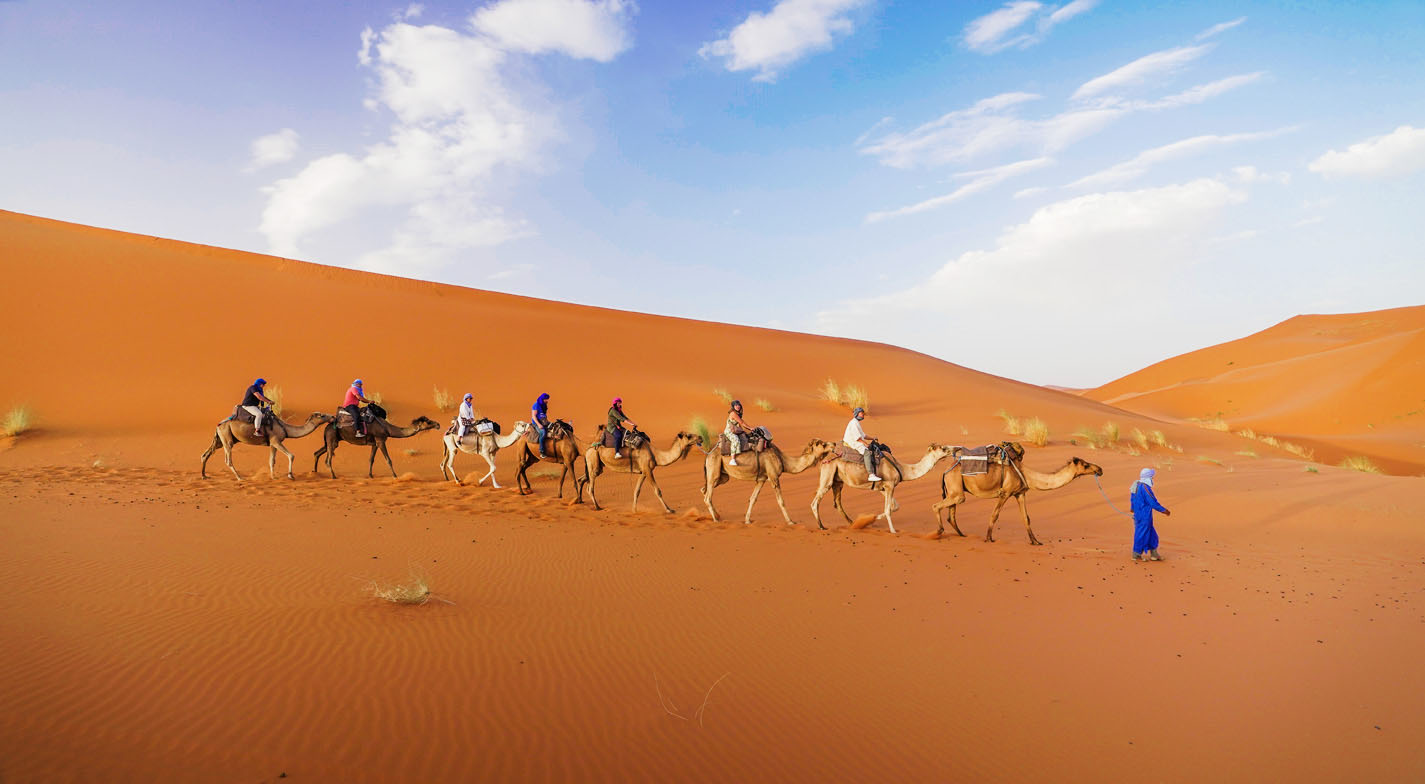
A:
x: 159, y: 626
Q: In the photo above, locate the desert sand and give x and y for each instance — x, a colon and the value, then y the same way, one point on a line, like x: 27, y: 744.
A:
x: 160, y: 626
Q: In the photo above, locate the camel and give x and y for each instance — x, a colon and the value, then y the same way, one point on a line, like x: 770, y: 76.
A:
x: 476, y: 444
x: 760, y: 467
x: 837, y: 474
x: 564, y: 449
x: 232, y: 431
x: 641, y: 461
x: 1003, y: 482
x: 376, y: 434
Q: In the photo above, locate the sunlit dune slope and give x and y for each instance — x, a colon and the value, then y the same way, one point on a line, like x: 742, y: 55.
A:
x: 1345, y: 385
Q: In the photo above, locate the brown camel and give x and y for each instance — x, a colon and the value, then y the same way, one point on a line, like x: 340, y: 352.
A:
x: 232, y: 431
x: 837, y: 474
x: 376, y: 434
x: 639, y: 461
x: 1003, y: 482
x: 476, y: 444
x: 564, y: 449
x: 760, y: 467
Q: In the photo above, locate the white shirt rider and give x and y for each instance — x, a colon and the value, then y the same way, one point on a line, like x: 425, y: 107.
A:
x: 856, y: 438
x: 466, y: 418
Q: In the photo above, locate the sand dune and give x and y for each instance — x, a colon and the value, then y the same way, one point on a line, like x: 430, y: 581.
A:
x: 1345, y: 385
x: 160, y: 626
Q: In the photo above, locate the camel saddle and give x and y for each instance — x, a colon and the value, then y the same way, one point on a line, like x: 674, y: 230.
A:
x: 369, y: 414
x: 632, y: 439
x: 844, y: 452
x: 556, y: 430
x: 977, y: 460
x: 483, y: 426
x: 756, y: 441
x: 241, y: 414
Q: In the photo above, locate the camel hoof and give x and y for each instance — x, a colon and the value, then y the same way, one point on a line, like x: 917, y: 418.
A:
x: 1037, y: 544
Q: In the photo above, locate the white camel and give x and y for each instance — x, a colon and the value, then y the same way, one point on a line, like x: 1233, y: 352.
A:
x: 476, y: 444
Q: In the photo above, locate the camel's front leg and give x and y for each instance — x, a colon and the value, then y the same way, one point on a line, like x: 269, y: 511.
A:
x: 387, y: 455
x: 890, y: 499
x: 777, y: 488
x: 836, y: 501
x: 637, y: 487
x: 1024, y: 510
x: 317, y: 457
x: 495, y: 483
x: 990, y: 532
x: 228, y: 458
x: 816, y: 505
x: 756, y: 491
x: 659, y: 492
x: 290, y: 458
x: 271, y: 461
x: 589, y: 483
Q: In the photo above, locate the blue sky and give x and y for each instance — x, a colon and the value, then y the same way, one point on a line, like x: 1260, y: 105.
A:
x: 1055, y: 192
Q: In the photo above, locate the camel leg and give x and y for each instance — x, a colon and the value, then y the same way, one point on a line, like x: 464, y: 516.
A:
x: 756, y: 491
x: 777, y: 488
x: 637, y: 487
x: 1024, y: 510
x: 658, y: 491
x: 290, y: 457
x: 212, y: 447
x: 990, y: 532
x: 371, y: 464
x: 948, y: 504
x: 708, y: 484
x: 271, y: 461
x: 589, y: 483
x: 331, y: 451
x: 317, y: 457
x: 495, y: 483
x: 816, y: 504
x: 228, y: 456
x: 836, y: 501
x: 386, y: 455
x: 562, y: 474
x: 890, y: 499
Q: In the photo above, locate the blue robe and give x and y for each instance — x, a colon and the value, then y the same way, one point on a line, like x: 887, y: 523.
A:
x: 1145, y: 538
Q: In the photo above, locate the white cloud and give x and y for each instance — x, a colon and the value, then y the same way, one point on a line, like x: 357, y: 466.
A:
x: 996, y: 31
x: 1027, y: 192
x: 1202, y: 92
x: 1139, y: 164
x: 591, y: 29
x: 979, y: 181
x: 273, y: 148
x: 1394, y: 154
x: 1141, y: 70
x: 768, y: 42
x: 459, y: 117
x: 1116, y: 250
x: 1219, y: 28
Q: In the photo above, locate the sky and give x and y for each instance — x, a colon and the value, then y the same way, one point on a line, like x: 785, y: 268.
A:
x: 1056, y: 192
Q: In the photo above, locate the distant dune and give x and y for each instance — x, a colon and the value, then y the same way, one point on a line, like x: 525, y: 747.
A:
x: 158, y: 626
x: 1346, y: 385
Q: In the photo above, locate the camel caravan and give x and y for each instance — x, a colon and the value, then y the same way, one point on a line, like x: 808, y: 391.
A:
x: 741, y: 452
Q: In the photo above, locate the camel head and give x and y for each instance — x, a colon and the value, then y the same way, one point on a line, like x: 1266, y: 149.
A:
x: 520, y: 427
x: 317, y: 416
x: 819, y: 448
x: 940, y: 451
x: 424, y: 423
x: 685, y: 440
x: 1084, y: 468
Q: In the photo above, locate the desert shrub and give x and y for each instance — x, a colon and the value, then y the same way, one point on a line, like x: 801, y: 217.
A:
x: 1299, y: 450
x: 274, y: 393
x: 17, y: 420
x: 1141, y: 439
x: 1036, y: 432
x: 1247, y: 432
x: 416, y: 590
x: 1158, y: 438
x: 1216, y: 422
x: 850, y: 395
x: 831, y: 391
x: 1270, y: 441
x: 1247, y: 453
x: 412, y: 452
x: 1362, y: 464
x: 1311, y: 470
x: 376, y: 398
x: 722, y: 394
x: 1208, y: 460
x: 1110, y: 432
x: 444, y: 401
x: 1089, y: 438
x: 700, y: 426
x: 1012, y: 425
x: 765, y: 404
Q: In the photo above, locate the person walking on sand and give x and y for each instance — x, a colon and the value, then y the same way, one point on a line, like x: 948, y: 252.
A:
x: 466, y: 418
x: 253, y: 401
x: 736, y: 426
x: 1145, y: 537
x: 856, y: 438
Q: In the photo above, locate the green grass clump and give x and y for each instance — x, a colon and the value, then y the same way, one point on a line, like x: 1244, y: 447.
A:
x: 444, y: 401
x: 1036, y: 432
x: 1362, y: 464
x: 415, y: 590
x: 700, y: 426
x: 1311, y: 470
x: 17, y: 420
x: 722, y: 394
x: 764, y: 404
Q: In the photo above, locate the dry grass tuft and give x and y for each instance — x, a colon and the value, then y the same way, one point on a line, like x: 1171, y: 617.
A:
x: 1036, y: 432
x: 1362, y: 464
x: 765, y: 404
x: 17, y: 420
x: 1248, y: 433
x: 415, y: 590
x: 274, y: 393
x: 1089, y: 438
x: 1110, y: 432
x: 1141, y: 439
x: 1311, y: 470
x: 1215, y: 423
x: 722, y: 394
x: 1299, y: 450
x: 1208, y: 460
x: 700, y: 426
x: 412, y: 452
x: 444, y: 401
x: 376, y: 398
x: 850, y: 395
x: 1158, y: 438
x: 1247, y: 453
x: 1012, y: 425
x: 831, y: 391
